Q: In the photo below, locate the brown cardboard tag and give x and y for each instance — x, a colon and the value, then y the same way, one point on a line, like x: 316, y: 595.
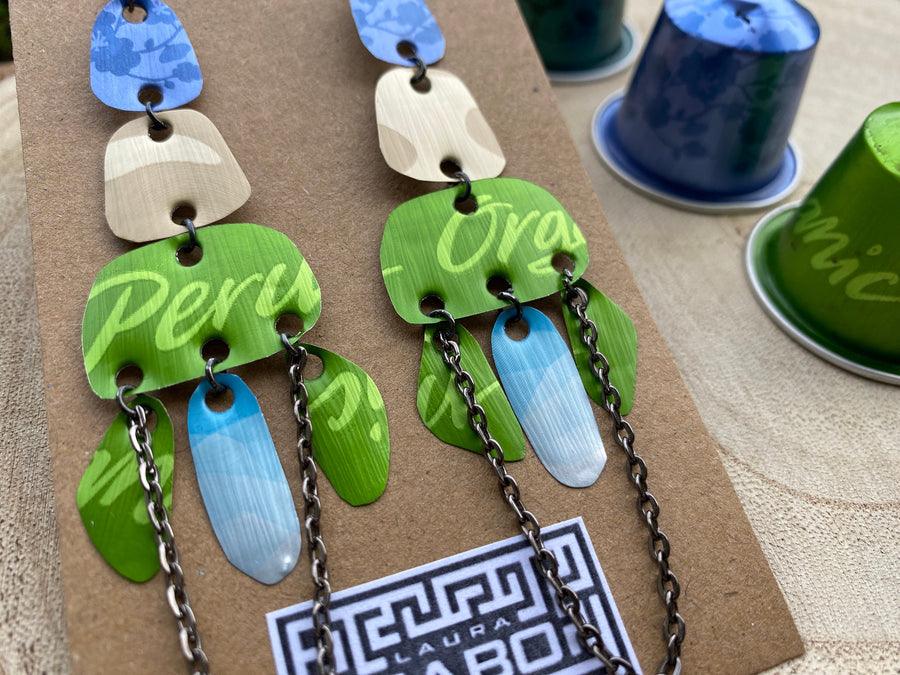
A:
x: 291, y: 89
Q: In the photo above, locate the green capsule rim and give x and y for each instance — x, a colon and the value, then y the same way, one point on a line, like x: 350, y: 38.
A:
x: 779, y: 307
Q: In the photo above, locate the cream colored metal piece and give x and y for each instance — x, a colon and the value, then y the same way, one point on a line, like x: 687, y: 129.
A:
x: 417, y: 130
x: 147, y: 179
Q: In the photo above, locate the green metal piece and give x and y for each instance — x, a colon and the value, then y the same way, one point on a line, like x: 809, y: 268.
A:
x: 430, y: 248
x: 571, y: 35
x: 351, y: 433
x: 148, y: 310
x: 111, y: 500
x: 5, y: 39
x: 443, y: 410
x: 616, y: 340
x: 833, y: 267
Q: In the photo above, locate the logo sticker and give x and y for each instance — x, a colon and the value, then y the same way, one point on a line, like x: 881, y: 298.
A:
x: 483, y: 612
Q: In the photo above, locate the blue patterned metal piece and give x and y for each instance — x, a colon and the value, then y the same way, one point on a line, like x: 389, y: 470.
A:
x: 155, y: 54
x: 715, y: 94
x: 242, y: 483
x: 763, y: 26
x: 384, y: 24
x: 545, y: 391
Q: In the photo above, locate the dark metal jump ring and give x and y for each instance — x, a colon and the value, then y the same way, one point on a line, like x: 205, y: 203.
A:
x: 510, y: 297
x: 155, y: 123
x: 192, y: 234
x: 572, y: 291
x: 288, y: 345
x: 216, y: 386
x: 450, y: 330
x: 120, y: 399
x: 296, y: 350
x: 420, y: 64
x: 467, y: 190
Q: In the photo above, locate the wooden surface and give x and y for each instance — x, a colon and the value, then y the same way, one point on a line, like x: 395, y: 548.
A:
x: 32, y: 617
x: 812, y: 450
x: 823, y: 500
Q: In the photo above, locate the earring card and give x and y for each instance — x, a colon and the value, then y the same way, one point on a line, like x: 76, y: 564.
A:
x: 291, y: 89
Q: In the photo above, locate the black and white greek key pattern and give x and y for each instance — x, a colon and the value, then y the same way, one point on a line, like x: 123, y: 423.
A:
x: 482, y: 612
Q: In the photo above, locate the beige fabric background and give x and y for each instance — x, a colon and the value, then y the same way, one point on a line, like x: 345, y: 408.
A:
x: 808, y: 447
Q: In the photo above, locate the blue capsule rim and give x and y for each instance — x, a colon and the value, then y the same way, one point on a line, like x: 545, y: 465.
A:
x: 613, y: 155
x: 613, y: 64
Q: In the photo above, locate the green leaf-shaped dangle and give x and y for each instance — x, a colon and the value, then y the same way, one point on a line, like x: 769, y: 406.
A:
x: 443, y: 409
x: 111, y: 500
x: 350, y: 433
x: 616, y: 340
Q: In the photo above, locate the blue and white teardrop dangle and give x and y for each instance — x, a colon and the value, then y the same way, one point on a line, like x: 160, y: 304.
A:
x: 243, y: 485
x: 545, y: 391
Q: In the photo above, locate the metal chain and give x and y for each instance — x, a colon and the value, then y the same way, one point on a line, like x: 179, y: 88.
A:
x: 667, y: 584
x: 318, y: 556
x: 567, y: 599
x: 176, y: 593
